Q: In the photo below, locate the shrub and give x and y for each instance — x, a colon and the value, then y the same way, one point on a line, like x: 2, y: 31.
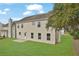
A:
x: 3, y: 36
x: 74, y: 33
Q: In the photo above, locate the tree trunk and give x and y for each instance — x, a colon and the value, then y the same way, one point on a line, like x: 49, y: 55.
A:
x: 57, y: 36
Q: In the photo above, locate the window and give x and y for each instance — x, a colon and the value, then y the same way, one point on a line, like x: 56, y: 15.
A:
x: 19, y: 33
x: 21, y: 25
x: 39, y: 35
x: 25, y: 34
x: 48, y: 36
x: 33, y: 23
x: 18, y: 26
x: 39, y: 24
x: 32, y: 35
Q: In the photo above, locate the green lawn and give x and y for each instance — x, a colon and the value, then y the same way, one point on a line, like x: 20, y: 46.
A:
x: 11, y: 48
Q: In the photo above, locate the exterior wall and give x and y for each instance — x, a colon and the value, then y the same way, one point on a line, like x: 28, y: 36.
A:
x: 29, y: 28
x: 4, y: 33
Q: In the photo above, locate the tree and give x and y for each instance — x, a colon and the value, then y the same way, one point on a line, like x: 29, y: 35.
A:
x: 65, y: 16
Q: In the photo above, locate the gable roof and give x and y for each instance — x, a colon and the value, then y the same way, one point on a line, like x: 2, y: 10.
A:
x: 31, y: 18
x: 5, y: 25
x: 34, y: 18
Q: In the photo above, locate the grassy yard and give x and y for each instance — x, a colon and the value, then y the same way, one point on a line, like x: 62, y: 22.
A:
x: 29, y: 48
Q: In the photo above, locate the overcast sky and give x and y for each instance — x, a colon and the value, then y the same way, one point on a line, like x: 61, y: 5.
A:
x: 21, y: 10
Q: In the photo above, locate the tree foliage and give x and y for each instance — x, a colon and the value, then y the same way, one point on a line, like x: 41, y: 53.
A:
x: 65, y: 16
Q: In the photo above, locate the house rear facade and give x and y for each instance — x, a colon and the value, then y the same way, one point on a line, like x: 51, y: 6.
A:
x: 31, y: 28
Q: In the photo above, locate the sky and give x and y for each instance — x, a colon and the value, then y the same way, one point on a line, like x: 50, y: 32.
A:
x: 17, y: 11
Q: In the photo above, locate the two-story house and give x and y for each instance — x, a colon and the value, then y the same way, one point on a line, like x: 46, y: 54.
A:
x: 31, y: 28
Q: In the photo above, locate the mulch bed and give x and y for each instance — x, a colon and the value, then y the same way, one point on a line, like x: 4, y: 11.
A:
x: 76, y: 46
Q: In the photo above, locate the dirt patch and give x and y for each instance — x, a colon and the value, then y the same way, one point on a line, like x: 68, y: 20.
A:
x: 76, y: 46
